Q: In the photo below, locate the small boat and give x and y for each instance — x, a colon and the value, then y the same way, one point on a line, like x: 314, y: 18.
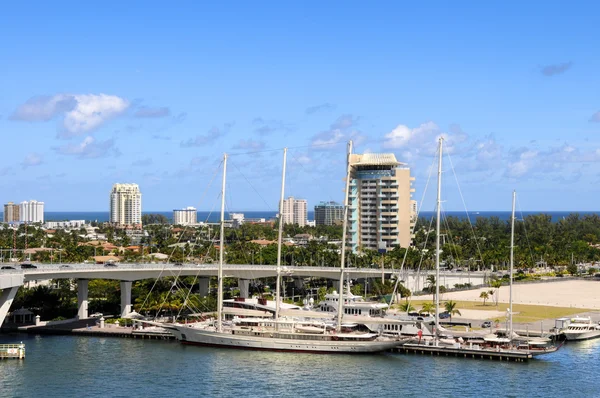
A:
x: 581, y: 328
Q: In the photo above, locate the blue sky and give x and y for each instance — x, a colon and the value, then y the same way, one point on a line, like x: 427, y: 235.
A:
x: 155, y: 93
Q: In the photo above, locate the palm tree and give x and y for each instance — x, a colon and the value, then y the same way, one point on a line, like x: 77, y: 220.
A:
x: 450, y: 307
x: 406, y: 307
x: 431, y: 285
x: 427, y: 307
x: 496, y: 284
x: 484, y: 296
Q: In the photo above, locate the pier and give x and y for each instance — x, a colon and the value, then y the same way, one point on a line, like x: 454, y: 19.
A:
x: 472, y: 352
x: 12, y: 351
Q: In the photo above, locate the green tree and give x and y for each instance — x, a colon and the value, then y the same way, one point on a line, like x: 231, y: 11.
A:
x: 496, y: 284
x: 450, y: 307
x: 406, y: 307
x: 484, y: 296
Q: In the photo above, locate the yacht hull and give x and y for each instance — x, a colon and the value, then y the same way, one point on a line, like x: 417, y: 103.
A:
x: 592, y: 334
x: 227, y: 340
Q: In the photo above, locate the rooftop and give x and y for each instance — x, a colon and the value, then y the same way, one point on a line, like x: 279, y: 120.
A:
x: 374, y: 159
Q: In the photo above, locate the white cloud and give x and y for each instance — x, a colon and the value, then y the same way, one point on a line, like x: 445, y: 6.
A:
x: 32, y: 160
x: 82, y: 112
x: 211, y: 136
x: 43, y: 108
x: 340, y: 130
x: 250, y: 145
x: 149, y: 112
x: 91, y: 112
x: 525, y: 160
x: 89, y: 148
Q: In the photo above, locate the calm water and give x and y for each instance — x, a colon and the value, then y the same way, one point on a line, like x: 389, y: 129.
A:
x: 58, y: 366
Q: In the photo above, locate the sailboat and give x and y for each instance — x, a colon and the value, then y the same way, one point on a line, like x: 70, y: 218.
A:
x: 280, y: 333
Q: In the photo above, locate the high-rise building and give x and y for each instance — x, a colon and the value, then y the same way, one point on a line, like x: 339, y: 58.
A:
x: 294, y: 211
x: 125, y: 204
x: 31, y: 212
x: 186, y: 216
x: 381, y: 211
x: 11, y: 212
x: 329, y: 213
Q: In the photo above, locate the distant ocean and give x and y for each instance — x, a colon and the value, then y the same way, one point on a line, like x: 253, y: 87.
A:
x: 205, y: 216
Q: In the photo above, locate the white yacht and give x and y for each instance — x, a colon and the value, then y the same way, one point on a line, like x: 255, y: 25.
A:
x: 372, y: 316
x: 581, y: 328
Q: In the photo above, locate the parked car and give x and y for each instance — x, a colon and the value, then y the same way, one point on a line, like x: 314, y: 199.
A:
x: 27, y: 266
x: 65, y: 266
x: 110, y: 264
x: 7, y: 267
x: 486, y: 324
x: 444, y: 315
x: 178, y: 264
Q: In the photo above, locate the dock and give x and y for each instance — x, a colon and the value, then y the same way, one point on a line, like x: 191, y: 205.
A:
x: 12, y: 351
x: 472, y: 352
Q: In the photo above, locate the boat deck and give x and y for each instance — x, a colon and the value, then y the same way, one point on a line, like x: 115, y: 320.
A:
x: 473, y: 352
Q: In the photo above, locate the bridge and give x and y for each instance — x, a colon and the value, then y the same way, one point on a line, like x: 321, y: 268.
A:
x: 126, y: 273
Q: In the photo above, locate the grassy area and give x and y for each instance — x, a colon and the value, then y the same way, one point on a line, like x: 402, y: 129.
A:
x: 524, y: 313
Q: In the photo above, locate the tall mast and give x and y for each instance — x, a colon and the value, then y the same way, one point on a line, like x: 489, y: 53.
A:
x: 280, y: 238
x: 512, y: 248
x: 345, y: 226
x: 437, y: 241
x: 221, y: 251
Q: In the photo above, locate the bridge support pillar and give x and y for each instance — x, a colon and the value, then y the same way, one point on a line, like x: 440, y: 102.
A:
x: 125, y: 298
x: 203, y: 286
x: 6, y: 298
x: 244, y: 285
x: 298, y: 283
x: 82, y: 298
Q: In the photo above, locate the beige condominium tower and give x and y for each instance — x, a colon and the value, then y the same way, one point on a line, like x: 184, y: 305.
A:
x: 125, y: 204
x: 381, y: 210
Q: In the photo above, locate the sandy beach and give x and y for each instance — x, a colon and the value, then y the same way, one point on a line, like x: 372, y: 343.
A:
x: 568, y: 293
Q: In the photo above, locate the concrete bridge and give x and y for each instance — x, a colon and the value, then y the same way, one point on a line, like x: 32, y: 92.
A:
x: 11, y: 280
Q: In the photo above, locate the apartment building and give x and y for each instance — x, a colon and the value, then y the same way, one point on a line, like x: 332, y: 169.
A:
x: 125, y: 205
x: 381, y: 210
x: 294, y: 211
x: 329, y: 213
x: 187, y: 216
x: 11, y: 212
x: 31, y: 212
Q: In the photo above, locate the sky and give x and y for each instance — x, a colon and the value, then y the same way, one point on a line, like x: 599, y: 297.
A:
x: 154, y: 93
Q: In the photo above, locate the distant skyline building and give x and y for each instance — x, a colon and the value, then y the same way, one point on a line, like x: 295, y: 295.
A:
x: 329, y: 213
x: 237, y: 219
x: 11, y: 212
x: 294, y: 211
x: 31, y: 212
x: 187, y: 216
x: 125, y: 205
x: 381, y: 211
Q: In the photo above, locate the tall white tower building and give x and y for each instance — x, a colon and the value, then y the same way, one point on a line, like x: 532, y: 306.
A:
x: 294, y: 211
x: 126, y: 204
x: 31, y: 212
x: 381, y: 211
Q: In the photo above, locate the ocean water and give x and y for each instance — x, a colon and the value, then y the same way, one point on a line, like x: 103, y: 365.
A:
x: 102, y: 216
x: 68, y: 366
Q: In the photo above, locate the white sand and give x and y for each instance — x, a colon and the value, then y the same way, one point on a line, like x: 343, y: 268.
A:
x: 478, y: 314
x: 568, y: 293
